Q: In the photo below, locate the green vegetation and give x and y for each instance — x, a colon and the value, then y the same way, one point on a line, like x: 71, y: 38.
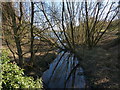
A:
x: 13, y: 76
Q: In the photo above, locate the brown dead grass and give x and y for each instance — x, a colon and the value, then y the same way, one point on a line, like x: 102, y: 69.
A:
x: 100, y: 65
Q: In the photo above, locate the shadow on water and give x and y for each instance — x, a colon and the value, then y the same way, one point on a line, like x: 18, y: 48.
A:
x: 64, y: 73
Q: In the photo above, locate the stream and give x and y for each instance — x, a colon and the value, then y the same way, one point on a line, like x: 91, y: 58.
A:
x: 58, y: 75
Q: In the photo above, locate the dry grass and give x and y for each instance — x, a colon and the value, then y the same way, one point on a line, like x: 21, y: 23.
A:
x: 100, y: 66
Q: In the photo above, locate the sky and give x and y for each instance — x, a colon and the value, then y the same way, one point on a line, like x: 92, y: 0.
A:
x: 52, y: 0
x: 61, y: 0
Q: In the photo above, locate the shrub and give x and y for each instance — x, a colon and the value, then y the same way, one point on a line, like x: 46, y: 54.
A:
x: 13, y: 76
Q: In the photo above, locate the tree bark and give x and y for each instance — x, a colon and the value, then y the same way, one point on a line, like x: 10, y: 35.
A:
x: 32, y: 36
x: 16, y: 37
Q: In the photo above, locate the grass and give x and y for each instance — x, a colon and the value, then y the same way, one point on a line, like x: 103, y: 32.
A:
x: 101, y: 64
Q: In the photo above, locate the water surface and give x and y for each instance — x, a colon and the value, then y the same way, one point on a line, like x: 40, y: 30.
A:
x: 59, y: 70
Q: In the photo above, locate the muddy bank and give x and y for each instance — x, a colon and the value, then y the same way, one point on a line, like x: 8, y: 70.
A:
x: 40, y: 65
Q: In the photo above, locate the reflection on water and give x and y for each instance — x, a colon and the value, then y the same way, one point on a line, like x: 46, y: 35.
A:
x: 57, y: 74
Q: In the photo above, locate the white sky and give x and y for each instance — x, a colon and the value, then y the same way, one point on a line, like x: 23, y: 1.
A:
x: 53, y: 0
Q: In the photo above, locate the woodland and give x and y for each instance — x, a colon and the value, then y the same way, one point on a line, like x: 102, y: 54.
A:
x: 34, y: 33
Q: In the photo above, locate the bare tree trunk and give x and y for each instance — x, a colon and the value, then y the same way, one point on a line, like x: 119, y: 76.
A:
x: 16, y: 37
x: 51, y: 26
x: 63, y: 9
x: 32, y: 36
x: 71, y: 25
x: 19, y: 50
x: 87, y: 26
x: 10, y: 50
